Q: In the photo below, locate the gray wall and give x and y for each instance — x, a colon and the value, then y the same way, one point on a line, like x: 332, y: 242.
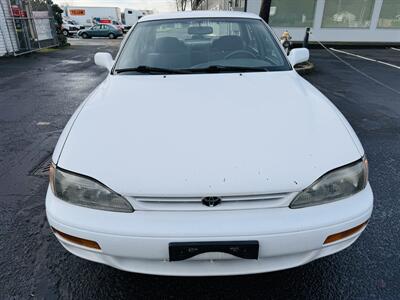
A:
x: 254, y: 6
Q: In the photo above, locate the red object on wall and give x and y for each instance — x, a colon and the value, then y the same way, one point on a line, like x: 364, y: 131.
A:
x: 17, y: 12
x: 105, y: 21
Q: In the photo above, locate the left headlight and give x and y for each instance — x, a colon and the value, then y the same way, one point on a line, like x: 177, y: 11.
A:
x: 83, y: 191
x: 334, y: 185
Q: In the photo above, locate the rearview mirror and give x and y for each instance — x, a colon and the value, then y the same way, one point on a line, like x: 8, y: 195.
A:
x: 200, y: 30
x: 104, y: 59
x: 299, y: 55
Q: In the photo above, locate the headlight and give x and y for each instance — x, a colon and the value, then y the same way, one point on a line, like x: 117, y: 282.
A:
x: 83, y: 191
x: 334, y: 185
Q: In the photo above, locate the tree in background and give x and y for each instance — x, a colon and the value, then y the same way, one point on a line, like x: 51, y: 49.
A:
x: 58, y: 20
x: 264, y: 10
x: 182, y: 4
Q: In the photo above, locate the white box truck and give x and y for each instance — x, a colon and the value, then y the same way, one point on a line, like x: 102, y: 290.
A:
x: 131, y: 16
x: 87, y: 16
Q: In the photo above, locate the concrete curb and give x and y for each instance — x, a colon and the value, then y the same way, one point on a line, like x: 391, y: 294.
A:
x: 304, y: 68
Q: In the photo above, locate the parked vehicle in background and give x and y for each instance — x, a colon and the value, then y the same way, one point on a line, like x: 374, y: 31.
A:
x: 85, y: 15
x: 100, y: 30
x: 70, y: 27
x: 73, y: 22
x: 102, y: 21
x: 120, y: 26
x: 131, y: 16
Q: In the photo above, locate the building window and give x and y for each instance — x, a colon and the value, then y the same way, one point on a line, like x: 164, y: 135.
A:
x: 390, y: 14
x: 348, y: 13
x: 238, y: 5
x: 216, y: 4
x: 284, y: 13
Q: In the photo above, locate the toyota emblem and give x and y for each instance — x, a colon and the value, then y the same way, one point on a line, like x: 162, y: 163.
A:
x: 211, y: 201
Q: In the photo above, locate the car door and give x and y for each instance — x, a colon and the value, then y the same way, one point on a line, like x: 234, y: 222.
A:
x: 95, y: 31
x: 105, y: 30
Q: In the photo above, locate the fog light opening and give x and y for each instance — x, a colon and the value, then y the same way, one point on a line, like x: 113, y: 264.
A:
x: 344, y: 234
x: 77, y: 240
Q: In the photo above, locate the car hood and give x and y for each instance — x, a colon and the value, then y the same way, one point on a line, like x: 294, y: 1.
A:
x: 207, y: 134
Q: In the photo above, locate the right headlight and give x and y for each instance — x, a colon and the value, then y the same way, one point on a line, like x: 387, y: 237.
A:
x: 84, y: 191
x: 334, y: 185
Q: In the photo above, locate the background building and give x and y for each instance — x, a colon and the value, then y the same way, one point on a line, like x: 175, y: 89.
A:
x: 25, y: 26
x: 336, y: 21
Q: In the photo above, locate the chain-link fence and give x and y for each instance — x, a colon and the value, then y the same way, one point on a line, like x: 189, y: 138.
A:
x: 31, y: 25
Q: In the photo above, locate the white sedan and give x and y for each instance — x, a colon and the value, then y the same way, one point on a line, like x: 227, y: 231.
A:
x: 203, y: 152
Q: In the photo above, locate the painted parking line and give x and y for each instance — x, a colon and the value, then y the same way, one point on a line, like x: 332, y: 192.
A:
x: 366, y: 58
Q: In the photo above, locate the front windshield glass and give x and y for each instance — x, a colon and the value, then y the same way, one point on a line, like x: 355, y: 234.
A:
x: 200, y: 45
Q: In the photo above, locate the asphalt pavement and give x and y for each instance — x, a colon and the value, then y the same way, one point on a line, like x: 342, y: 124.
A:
x: 40, y: 91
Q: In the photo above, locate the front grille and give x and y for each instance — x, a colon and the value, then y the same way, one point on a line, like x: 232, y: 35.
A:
x: 227, y: 202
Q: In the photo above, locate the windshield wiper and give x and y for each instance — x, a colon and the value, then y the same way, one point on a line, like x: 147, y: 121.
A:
x: 220, y: 68
x: 150, y: 70
x: 209, y: 69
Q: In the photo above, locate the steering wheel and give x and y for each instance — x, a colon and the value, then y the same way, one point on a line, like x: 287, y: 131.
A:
x: 238, y: 52
x: 270, y: 60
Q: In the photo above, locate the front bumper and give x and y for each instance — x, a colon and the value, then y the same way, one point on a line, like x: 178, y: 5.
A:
x: 138, y: 242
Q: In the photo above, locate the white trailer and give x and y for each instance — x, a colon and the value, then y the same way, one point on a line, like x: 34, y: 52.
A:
x: 132, y: 16
x: 87, y: 16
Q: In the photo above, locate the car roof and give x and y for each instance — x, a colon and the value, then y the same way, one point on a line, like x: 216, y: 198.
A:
x: 199, y: 14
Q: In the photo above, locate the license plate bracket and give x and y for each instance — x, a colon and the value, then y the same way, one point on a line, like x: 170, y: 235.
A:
x: 185, y: 250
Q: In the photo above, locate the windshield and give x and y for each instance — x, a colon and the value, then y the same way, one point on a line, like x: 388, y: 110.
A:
x: 200, y: 45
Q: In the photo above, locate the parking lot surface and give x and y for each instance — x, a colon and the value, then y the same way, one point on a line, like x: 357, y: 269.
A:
x: 38, y: 94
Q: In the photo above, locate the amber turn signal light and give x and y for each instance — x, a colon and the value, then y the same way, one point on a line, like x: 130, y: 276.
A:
x: 77, y: 240
x: 344, y: 234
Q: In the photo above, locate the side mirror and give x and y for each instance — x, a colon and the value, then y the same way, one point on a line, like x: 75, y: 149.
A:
x: 104, y: 59
x: 299, y: 55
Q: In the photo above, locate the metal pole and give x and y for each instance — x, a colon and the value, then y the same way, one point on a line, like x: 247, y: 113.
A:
x: 52, y: 24
x: 264, y: 10
x: 25, y: 26
x: 306, y: 38
x: 32, y: 23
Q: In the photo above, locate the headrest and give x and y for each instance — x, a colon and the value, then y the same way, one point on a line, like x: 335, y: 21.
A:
x: 228, y: 43
x: 169, y: 44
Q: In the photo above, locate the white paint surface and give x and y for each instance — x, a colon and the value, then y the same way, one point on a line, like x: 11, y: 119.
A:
x: 208, y: 135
